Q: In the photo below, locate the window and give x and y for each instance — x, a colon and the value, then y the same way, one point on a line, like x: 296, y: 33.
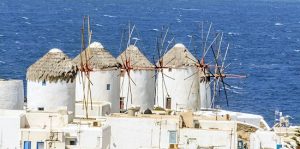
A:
x: 240, y: 144
x: 196, y: 124
x: 172, y: 137
x: 170, y: 69
x: 44, y: 83
x: 27, y: 144
x: 121, y: 103
x: 40, y: 145
x: 40, y: 108
x: 108, y: 87
x: 72, y: 142
x: 168, y: 102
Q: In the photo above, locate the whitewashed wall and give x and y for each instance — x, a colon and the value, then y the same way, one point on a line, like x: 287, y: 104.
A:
x: 41, y: 135
x: 99, y: 80
x: 205, y: 94
x: 200, y: 138
x: 10, y: 132
x: 11, y: 123
x: 140, y: 132
x: 184, y: 92
x: 98, y: 109
x: 11, y: 94
x: 153, y: 132
x: 264, y: 139
x: 51, y: 95
x: 47, y: 120
x: 143, y: 91
x: 217, y: 134
x: 95, y: 138
x: 89, y: 137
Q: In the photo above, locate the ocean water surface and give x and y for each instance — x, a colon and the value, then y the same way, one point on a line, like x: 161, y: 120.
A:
x: 264, y: 37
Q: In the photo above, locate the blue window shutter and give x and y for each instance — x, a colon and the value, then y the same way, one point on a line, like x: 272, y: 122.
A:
x: 27, y: 144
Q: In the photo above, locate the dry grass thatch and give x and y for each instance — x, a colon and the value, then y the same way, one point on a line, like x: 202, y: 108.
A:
x: 97, y: 57
x: 52, y: 67
x: 178, y: 56
x: 244, y: 131
x: 137, y: 59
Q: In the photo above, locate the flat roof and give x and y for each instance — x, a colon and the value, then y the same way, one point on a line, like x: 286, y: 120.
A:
x: 11, y: 113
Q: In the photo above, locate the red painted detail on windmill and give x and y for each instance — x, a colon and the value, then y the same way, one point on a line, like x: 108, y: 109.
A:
x: 85, y: 68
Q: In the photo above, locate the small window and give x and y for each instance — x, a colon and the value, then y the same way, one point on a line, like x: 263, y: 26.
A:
x: 40, y: 145
x: 172, y: 137
x: 168, y: 102
x: 196, y: 124
x: 40, y: 108
x: 27, y: 144
x: 122, y: 103
x: 108, y: 87
x: 72, y: 142
x: 44, y: 83
x: 170, y: 69
x: 240, y: 144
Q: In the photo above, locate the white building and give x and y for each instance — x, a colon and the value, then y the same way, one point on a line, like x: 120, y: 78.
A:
x: 220, y: 129
x: 51, y: 129
x: 104, y: 79
x: 177, y: 84
x: 10, y: 123
x: 204, y: 129
x: 51, y: 82
x: 264, y: 139
x: 11, y: 94
x: 139, y: 88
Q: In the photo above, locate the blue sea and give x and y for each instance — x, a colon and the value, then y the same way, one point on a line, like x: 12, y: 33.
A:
x: 264, y: 37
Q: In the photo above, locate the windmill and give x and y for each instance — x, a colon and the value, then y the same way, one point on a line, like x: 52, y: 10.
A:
x: 204, y: 70
x: 126, y: 68
x: 97, y: 84
x: 219, y: 72
x: 159, y: 68
x: 137, y: 86
x: 172, y: 67
x: 130, y: 66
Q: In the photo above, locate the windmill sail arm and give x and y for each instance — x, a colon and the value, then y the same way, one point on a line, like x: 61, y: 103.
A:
x: 223, y: 75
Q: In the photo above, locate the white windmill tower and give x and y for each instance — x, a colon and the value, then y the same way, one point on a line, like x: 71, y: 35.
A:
x: 173, y: 90
x: 103, y: 75
x: 137, y: 81
x: 51, y: 82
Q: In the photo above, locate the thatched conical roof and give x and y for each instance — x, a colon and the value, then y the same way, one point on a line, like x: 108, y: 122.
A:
x: 137, y: 59
x: 97, y: 56
x: 52, y: 67
x: 178, y: 56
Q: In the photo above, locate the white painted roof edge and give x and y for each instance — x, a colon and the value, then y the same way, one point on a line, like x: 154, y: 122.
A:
x: 55, y: 50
